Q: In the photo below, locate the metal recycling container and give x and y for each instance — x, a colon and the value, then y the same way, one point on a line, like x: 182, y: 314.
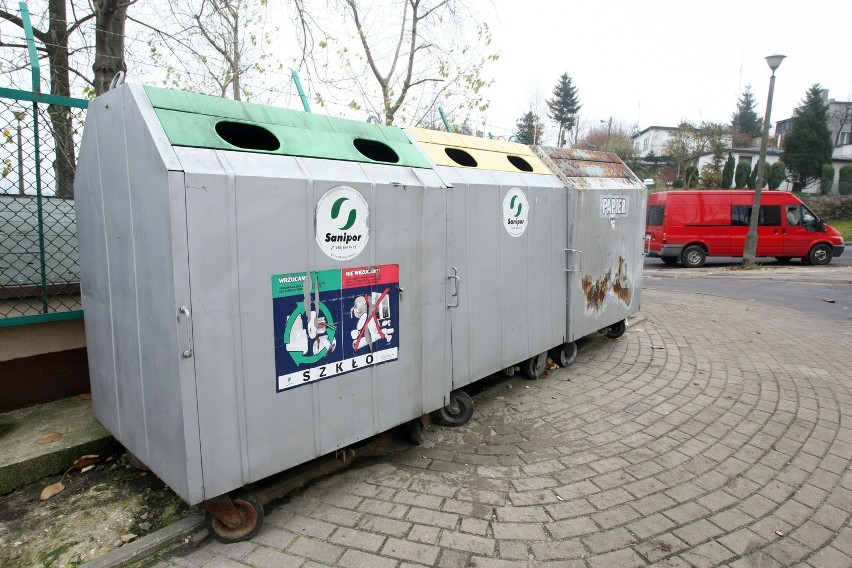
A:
x: 261, y: 286
x: 606, y: 226
x: 508, y: 235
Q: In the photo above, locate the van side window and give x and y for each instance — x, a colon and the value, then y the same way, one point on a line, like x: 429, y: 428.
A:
x: 793, y: 215
x: 655, y: 215
x: 740, y: 215
x: 770, y: 215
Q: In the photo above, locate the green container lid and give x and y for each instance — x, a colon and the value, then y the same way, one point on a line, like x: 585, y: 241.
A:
x: 202, y: 121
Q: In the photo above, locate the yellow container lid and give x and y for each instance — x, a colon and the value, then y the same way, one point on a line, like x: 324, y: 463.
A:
x: 463, y: 151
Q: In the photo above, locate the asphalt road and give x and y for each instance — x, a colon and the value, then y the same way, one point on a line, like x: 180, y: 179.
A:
x: 824, y: 292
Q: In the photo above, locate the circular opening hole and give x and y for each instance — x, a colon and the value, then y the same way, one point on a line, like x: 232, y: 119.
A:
x: 520, y: 163
x: 460, y: 157
x: 247, y: 136
x: 376, y: 151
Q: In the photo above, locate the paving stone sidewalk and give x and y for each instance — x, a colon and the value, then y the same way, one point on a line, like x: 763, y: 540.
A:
x: 715, y: 432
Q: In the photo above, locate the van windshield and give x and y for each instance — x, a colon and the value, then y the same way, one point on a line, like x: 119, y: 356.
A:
x: 809, y: 220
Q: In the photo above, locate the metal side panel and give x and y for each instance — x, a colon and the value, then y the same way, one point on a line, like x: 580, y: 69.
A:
x: 94, y: 267
x: 129, y: 284
x: 212, y: 267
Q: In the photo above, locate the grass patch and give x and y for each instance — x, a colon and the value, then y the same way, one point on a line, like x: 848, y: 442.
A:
x: 844, y: 226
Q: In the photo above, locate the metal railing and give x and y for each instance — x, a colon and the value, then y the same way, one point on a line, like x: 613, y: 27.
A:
x: 39, y: 261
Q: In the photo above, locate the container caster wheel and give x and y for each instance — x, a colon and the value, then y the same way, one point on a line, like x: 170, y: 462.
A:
x: 233, y: 519
x: 564, y: 355
x: 616, y: 330
x: 416, y: 430
x: 535, y: 366
x: 458, y: 412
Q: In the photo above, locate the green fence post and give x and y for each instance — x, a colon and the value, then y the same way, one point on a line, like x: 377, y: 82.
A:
x: 36, y: 75
x: 304, y: 98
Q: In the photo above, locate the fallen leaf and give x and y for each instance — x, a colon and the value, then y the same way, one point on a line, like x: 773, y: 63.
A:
x: 85, y: 461
x: 84, y: 396
x: 87, y: 468
x: 125, y: 538
x: 48, y: 438
x: 51, y: 490
x: 658, y: 347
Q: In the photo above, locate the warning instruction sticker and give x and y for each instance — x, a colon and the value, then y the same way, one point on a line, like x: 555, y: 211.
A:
x: 333, y: 322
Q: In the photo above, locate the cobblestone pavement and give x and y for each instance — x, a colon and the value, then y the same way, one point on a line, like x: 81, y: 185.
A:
x: 715, y: 432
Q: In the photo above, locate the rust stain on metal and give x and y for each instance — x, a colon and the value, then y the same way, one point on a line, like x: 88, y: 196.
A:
x: 621, y: 286
x: 595, y: 290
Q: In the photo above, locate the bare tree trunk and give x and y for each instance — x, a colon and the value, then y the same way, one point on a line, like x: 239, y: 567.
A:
x: 62, y: 129
x: 235, y: 57
x: 110, y: 17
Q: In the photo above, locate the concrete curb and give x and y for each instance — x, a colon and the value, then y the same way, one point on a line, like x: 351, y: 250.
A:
x: 149, y: 544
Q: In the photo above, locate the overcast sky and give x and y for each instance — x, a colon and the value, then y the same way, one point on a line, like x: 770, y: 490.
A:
x: 659, y: 61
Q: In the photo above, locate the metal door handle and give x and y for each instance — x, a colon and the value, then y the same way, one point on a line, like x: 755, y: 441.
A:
x: 574, y: 251
x: 454, y: 276
x: 187, y: 353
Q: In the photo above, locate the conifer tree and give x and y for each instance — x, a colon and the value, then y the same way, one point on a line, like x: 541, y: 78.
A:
x: 529, y: 128
x: 745, y: 123
x: 807, y: 146
x: 564, y: 106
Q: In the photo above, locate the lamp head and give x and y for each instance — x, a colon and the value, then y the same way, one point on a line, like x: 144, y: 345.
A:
x: 774, y: 61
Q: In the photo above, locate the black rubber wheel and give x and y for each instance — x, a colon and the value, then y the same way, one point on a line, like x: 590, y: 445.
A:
x: 670, y: 260
x: 693, y: 256
x: 458, y: 412
x: 535, y: 366
x: 565, y: 354
x: 616, y: 330
x: 250, y: 510
x: 784, y: 259
x: 416, y: 431
x: 820, y: 254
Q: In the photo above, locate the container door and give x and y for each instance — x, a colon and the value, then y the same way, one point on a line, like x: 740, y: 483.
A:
x: 605, y: 258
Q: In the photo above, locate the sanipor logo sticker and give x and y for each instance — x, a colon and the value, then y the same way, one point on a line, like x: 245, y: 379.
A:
x: 515, y: 212
x: 341, y: 221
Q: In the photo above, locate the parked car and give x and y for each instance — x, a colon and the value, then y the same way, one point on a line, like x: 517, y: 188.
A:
x: 649, y: 182
x: 689, y: 226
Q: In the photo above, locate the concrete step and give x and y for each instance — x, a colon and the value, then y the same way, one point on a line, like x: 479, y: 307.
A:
x: 23, y: 460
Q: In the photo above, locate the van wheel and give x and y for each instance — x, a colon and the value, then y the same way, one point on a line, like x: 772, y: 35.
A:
x: 670, y: 260
x: 820, y: 254
x: 693, y: 256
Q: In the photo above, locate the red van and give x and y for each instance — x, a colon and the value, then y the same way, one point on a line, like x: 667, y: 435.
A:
x: 689, y: 226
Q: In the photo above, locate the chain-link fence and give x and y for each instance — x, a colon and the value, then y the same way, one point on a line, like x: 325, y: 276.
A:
x: 39, y: 262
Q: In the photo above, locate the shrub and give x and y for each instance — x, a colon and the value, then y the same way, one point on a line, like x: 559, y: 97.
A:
x: 777, y: 174
x: 829, y: 206
x: 677, y: 184
x: 741, y: 175
x: 844, y: 184
x: 826, y: 181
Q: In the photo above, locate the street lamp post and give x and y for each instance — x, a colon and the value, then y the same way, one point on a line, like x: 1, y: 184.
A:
x: 750, y: 251
x: 608, y: 133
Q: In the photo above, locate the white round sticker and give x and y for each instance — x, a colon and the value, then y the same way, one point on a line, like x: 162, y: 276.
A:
x: 342, y: 230
x: 515, y: 212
